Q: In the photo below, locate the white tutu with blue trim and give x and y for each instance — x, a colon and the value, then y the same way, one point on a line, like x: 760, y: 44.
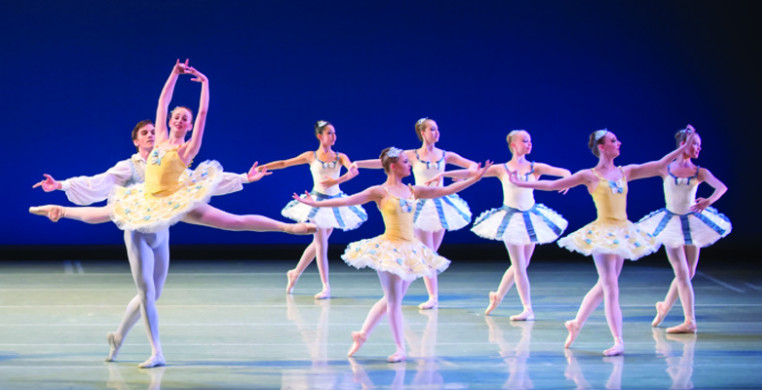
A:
x: 674, y: 230
x: 538, y: 225
x: 344, y: 218
x: 449, y: 212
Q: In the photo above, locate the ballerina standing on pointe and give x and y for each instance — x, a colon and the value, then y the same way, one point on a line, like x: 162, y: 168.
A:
x: 397, y: 256
x: 684, y: 226
x: 147, y: 253
x: 611, y: 238
x: 520, y: 223
x: 325, y: 166
x: 169, y: 193
x: 433, y: 216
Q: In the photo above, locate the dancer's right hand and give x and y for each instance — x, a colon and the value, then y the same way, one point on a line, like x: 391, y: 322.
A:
x: 49, y: 184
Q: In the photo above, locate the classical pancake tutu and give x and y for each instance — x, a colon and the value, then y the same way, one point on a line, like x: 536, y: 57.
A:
x: 622, y: 238
x: 134, y: 209
x: 673, y: 230
x: 344, y: 218
x: 407, y: 259
x: 538, y: 225
x: 446, y: 213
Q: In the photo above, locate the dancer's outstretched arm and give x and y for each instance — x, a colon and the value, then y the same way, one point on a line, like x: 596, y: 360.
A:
x: 190, y: 149
x: 303, y: 158
x: 424, y: 192
x: 549, y: 170
x: 584, y: 177
x: 374, y: 193
x: 653, y: 168
x: 369, y: 164
x: 85, y: 190
x: 162, y: 133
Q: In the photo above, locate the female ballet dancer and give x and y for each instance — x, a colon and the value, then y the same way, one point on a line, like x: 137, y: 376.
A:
x: 169, y: 193
x: 520, y: 223
x: 684, y: 226
x: 147, y: 253
x: 611, y: 238
x: 397, y: 256
x: 325, y: 166
x: 433, y: 216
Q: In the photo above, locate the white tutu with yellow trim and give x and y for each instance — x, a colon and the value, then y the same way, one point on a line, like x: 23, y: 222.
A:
x: 407, y: 259
x: 132, y: 208
x: 622, y: 238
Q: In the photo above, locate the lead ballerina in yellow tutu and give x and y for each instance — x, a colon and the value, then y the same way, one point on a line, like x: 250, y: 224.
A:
x: 171, y: 191
x: 397, y: 256
x: 611, y: 238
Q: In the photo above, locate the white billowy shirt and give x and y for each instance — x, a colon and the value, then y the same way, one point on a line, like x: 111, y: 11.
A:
x: 85, y: 190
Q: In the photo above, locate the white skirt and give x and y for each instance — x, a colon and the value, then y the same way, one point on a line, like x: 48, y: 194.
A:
x: 446, y: 213
x: 344, y: 218
x: 674, y: 230
x: 539, y: 225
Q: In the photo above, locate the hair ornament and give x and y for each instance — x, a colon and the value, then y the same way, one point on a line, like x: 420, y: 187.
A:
x: 600, y: 134
x: 420, y: 121
x: 322, y: 124
x: 393, y: 152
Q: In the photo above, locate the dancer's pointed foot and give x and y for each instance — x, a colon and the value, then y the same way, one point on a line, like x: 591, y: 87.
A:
x: 324, y: 294
x: 526, y: 315
x: 153, y: 361
x: 359, y: 340
x: 114, y: 346
x: 685, y: 327
x: 493, y: 302
x: 291, y: 278
x: 661, y: 313
x: 301, y: 228
x: 432, y: 303
x: 573, y: 329
x: 53, y: 212
x: 399, y: 356
x: 616, y: 349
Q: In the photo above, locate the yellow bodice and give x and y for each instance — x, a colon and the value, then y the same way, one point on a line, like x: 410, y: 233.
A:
x: 398, y: 217
x: 163, y: 170
x: 610, y: 198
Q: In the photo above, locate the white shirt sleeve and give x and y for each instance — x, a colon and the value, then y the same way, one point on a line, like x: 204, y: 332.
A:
x: 85, y: 190
x: 231, y: 182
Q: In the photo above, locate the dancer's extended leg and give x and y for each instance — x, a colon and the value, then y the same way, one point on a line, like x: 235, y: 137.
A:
x: 207, y: 215
x: 93, y: 215
x: 371, y: 320
x: 293, y: 275
x: 609, y: 266
x: 589, y: 303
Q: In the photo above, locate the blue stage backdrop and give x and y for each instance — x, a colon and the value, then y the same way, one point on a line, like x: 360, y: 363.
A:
x: 77, y: 75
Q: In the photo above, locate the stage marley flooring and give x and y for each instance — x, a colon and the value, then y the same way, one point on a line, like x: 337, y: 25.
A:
x: 229, y: 325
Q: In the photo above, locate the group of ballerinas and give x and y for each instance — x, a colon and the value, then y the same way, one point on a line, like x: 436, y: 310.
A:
x: 155, y: 189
